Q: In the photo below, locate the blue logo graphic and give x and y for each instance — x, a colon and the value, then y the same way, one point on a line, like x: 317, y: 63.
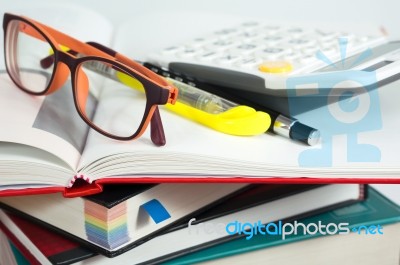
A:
x: 350, y: 103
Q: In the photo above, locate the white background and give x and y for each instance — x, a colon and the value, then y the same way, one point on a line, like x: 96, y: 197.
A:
x: 342, y: 13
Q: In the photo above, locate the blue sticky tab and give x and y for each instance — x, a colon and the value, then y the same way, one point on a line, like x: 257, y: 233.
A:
x: 156, y: 211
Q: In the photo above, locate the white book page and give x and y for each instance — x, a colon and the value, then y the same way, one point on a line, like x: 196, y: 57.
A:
x: 41, y: 122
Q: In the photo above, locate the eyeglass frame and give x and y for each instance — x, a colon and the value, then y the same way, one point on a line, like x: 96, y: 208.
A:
x: 158, y: 91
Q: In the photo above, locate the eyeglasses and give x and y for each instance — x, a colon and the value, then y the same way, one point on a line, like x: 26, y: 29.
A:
x: 39, y: 60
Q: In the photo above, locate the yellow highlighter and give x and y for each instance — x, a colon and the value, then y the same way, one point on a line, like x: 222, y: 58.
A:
x: 218, y: 113
x: 210, y: 110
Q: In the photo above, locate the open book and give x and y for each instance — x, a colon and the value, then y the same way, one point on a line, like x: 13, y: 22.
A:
x: 45, y: 146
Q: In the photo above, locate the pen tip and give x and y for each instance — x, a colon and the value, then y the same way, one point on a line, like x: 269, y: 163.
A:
x: 314, y: 137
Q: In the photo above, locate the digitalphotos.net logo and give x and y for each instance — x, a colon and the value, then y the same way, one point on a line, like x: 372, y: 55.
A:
x: 280, y: 229
x: 350, y: 106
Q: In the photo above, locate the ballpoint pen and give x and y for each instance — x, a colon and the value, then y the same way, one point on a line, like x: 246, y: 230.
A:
x: 281, y: 124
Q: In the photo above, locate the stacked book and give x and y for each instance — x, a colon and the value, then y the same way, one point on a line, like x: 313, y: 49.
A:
x: 242, y: 223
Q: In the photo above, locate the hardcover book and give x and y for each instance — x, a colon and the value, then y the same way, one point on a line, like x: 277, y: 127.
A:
x: 122, y: 216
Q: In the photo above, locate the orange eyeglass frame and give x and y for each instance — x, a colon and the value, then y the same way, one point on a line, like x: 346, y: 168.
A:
x: 158, y: 91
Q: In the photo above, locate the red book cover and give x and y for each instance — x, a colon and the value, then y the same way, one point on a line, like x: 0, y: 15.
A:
x: 54, y: 247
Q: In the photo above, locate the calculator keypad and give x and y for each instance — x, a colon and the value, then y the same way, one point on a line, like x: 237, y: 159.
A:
x: 267, y: 49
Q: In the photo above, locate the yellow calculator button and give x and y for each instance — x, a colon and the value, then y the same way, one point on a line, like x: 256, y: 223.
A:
x: 275, y: 67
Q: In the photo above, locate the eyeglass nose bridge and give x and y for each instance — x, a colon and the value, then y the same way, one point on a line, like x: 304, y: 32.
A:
x: 65, y: 66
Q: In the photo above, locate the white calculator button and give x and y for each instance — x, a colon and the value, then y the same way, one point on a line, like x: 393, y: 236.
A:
x: 198, y: 42
x: 272, y: 39
x: 330, y: 52
x: 270, y: 53
x: 188, y: 52
x: 249, y: 62
x: 225, y: 33
x: 300, y: 43
x: 245, y: 48
x: 325, y: 35
x: 270, y: 29
x: 273, y: 50
x: 227, y: 59
x: 219, y: 45
x: 291, y: 56
x: 171, y: 49
x: 208, y: 55
x: 248, y: 34
x: 295, y: 32
x: 308, y: 59
x: 329, y: 43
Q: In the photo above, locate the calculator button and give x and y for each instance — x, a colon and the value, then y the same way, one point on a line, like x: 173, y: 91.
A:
x: 247, y: 46
x: 300, y: 43
x: 308, y: 59
x: 244, y: 48
x: 275, y: 67
x: 310, y: 50
x: 220, y: 45
x: 271, y: 53
x: 188, y: 52
x: 248, y: 34
x: 198, y: 42
x: 291, y: 56
x: 325, y: 35
x: 171, y: 49
x: 227, y: 59
x: 207, y: 56
x: 249, y: 62
x: 270, y: 29
x: 295, y: 32
x: 272, y: 39
x: 225, y: 33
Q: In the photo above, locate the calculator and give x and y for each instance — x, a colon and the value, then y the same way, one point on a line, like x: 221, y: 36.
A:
x: 262, y: 58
